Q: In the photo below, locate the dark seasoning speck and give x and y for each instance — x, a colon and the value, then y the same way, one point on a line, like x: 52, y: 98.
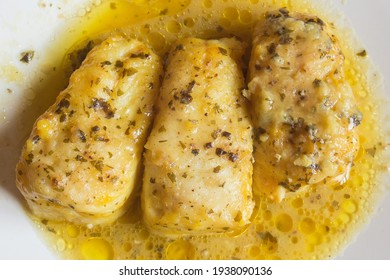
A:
x: 27, y: 56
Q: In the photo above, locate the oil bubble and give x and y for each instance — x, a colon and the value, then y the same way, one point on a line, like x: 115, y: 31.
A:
x: 284, y: 222
x: 180, y: 250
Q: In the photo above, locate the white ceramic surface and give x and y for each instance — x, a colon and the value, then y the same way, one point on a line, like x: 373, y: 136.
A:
x: 32, y: 24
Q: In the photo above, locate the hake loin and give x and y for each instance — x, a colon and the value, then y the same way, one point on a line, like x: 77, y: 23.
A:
x: 82, y: 161
x: 198, y: 158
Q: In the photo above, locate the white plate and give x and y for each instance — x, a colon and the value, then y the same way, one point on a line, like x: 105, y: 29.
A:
x: 28, y: 24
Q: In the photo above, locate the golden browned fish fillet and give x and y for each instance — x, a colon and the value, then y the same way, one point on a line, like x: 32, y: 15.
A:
x: 198, y: 158
x: 303, y: 108
x: 82, y: 160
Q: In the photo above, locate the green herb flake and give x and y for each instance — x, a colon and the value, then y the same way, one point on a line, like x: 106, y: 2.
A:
x: 127, y: 72
x: 98, y: 165
x: 172, y: 177
x: 208, y: 145
x: 120, y: 92
x: 217, y: 108
x: 271, y: 49
x: 227, y: 135
x: 184, y: 96
x: 179, y: 47
x: 164, y: 12
x: 119, y: 64
x: 63, y: 104
x: 80, y: 158
x: 290, y: 187
x: 182, y: 145
x: 81, y: 135
x: 30, y: 158
x: 220, y: 152
x: 76, y: 57
x: 102, y: 139
x: 371, y: 151
x: 162, y: 129
x: 63, y: 118
x: 363, y: 53
x: 141, y: 55
x: 95, y: 128
x: 223, y: 51
x: 27, y: 56
x: 51, y: 168
x: 101, y: 104
x: 216, y: 133
x: 285, y: 39
x: 36, y: 139
x: 171, y: 106
x: 104, y: 63
x: 355, y: 120
x: 317, y: 83
x: 233, y: 157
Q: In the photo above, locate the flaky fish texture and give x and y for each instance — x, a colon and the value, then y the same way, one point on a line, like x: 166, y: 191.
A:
x: 83, y: 158
x: 304, y: 111
x: 198, y: 158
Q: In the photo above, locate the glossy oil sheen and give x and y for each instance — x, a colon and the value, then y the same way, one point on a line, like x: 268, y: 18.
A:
x: 315, y: 223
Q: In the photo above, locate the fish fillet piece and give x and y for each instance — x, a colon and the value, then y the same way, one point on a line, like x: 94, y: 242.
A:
x: 198, y: 158
x: 82, y: 160
x: 304, y: 111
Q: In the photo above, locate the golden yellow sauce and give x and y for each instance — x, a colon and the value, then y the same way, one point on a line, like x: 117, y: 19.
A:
x: 315, y: 223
